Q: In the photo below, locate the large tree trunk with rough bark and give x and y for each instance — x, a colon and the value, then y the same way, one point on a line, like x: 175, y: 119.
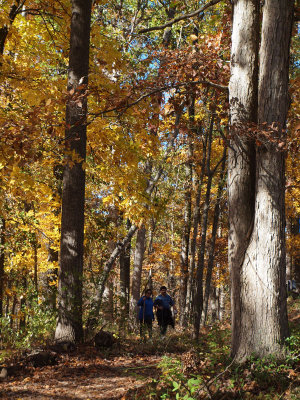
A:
x: 241, y: 154
x: 69, y: 324
x: 257, y: 237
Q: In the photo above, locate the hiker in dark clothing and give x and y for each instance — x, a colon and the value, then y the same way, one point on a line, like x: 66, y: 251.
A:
x: 163, y: 304
x: 146, y: 315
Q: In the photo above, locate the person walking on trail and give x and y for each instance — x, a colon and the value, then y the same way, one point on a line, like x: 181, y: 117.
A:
x: 146, y: 315
x: 163, y: 304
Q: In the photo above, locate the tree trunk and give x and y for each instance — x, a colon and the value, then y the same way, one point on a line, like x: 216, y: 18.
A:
x: 13, y: 312
x: 214, y: 303
x: 221, y: 309
x: 257, y: 255
x: 263, y: 273
x: 295, y: 267
x: 137, y: 266
x: 108, y: 303
x: 200, y: 267
x: 35, y: 257
x: 288, y: 256
x: 22, y: 321
x: 241, y: 153
x: 211, y: 252
x: 125, y: 277
x: 69, y: 324
x: 188, y: 176
x: 151, y: 236
x: 196, y: 220
x: 2, y: 259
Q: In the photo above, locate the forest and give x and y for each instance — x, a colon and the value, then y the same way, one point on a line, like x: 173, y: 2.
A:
x: 149, y: 144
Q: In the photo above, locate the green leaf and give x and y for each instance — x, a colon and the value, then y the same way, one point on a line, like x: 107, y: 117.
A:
x: 176, y: 386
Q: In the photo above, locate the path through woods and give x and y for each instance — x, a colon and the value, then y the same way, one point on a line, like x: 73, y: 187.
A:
x: 83, y: 377
x: 88, y: 373
x: 131, y: 370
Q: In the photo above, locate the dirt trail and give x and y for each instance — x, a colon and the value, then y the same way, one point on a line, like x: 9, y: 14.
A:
x: 83, y: 376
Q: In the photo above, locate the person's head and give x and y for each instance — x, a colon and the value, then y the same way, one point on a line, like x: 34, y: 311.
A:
x: 148, y: 293
x: 163, y: 290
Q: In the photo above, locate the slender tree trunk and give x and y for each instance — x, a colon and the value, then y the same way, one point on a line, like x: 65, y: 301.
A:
x: 200, y: 267
x: 196, y: 220
x: 188, y: 176
x: 151, y: 236
x: 35, y: 258
x: 221, y: 310
x: 125, y: 276
x: 13, y: 311
x: 2, y: 259
x: 22, y: 323
x: 108, y: 302
x: 214, y: 303
x: 211, y: 252
x: 69, y: 324
x: 51, y: 289
x: 288, y: 256
x: 137, y: 266
x: 295, y: 267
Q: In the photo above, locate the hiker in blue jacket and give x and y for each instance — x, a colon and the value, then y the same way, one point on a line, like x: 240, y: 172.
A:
x: 163, y: 304
x: 146, y: 315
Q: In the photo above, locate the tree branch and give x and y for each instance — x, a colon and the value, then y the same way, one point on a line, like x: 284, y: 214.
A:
x: 180, y: 18
x: 157, y: 90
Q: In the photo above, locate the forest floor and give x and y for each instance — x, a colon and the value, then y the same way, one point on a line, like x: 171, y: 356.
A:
x: 175, y: 368
x: 89, y: 373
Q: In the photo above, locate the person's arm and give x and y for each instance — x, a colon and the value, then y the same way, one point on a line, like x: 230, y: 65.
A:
x: 141, y: 301
x: 157, y: 304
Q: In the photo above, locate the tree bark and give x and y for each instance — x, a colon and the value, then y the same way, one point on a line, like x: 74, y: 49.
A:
x: 125, y: 276
x: 69, y: 324
x: 241, y: 153
x: 258, y: 265
x: 2, y: 259
x: 264, y: 324
x: 137, y: 265
x: 196, y: 220
x: 288, y: 256
x: 200, y: 267
x: 211, y: 252
x: 184, y: 257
